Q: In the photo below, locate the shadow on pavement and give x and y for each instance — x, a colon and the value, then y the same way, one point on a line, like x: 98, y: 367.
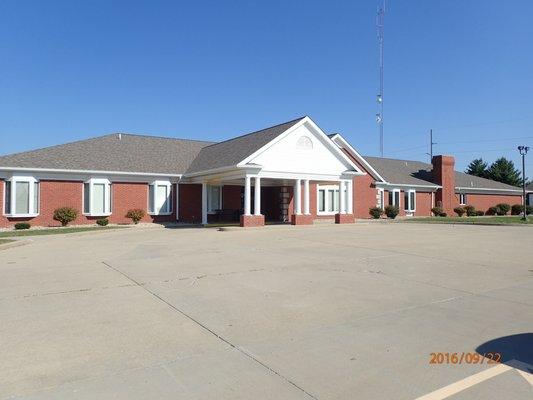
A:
x: 515, y: 350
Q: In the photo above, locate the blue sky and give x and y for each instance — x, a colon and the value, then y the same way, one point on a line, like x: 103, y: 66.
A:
x: 216, y: 69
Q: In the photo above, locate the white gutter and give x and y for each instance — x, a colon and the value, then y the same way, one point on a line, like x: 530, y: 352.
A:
x: 222, y: 169
x: 487, y: 189
x: 87, y: 171
x: 380, y: 184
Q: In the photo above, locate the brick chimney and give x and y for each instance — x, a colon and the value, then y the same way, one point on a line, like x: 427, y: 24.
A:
x: 444, y: 175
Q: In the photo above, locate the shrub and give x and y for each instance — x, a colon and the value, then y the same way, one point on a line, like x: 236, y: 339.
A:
x: 136, y: 215
x: 102, y: 221
x: 22, y: 225
x: 480, y: 213
x: 492, y: 210
x: 392, y: 211
x: 470, y: 211
x: 376, y: 212
x: 503, y: 208
x: 529, y: 210
x: 459, y: 211
x: 438, y: 212
x: 517, y: 209
x: 65, y: 215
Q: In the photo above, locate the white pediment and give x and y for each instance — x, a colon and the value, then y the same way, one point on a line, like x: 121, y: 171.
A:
x: 302, y: 149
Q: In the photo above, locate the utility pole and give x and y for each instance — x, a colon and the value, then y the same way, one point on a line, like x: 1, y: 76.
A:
x: 523, y: 151
x: 380, y: 19
x: 431, y: 143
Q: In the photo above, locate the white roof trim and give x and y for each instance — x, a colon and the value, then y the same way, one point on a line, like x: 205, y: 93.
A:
x: 340, y: 141
x: 393, y: 185
x: 303, y: 121
x: 84, y: 171
x: 488, y: 189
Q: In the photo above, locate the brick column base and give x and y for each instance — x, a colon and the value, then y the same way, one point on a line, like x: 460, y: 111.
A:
x: 302, y: 219
x: 344, y: 219
x: 248, y: 221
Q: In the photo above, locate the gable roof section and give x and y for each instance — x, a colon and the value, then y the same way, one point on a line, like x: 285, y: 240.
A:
x: 231, y: 152
x: 346, y: 146
x: 466, y: 181
x: 403, y: 172
x: 407, y: 172
x: 124, y: 153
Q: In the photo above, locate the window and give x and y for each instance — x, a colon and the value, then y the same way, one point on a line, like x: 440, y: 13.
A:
x: 304, y: 143
x: 410, y: 200
x: 159, y: 198
x: 214, y: 198
x: 328, y: 199
x: 394, y: 197
x: 97, y: 197
x: 21, y: 197
x: 462, y: 199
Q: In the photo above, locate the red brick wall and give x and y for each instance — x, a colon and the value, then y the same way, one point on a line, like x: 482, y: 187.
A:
x: 484, y: 201
x: 231, y: 197
x: 190, y: 203
x: 55, y: 194
x: 423, y: 203
x: 444, y: 175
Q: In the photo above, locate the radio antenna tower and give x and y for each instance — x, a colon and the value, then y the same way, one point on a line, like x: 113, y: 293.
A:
x: 380, y: 20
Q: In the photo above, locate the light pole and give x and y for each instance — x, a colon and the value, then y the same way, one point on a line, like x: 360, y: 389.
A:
x: 523, y: 151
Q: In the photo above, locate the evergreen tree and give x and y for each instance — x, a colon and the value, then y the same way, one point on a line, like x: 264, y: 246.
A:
x: 503, y: 170
x: 477, y: 167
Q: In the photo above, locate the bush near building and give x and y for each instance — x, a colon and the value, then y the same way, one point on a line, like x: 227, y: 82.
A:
x: 136, y: 215
x: 392, y: 211
x: 376, y: 212
x: 65, y: 215
x: 22, y: 225
x: 460, y: 211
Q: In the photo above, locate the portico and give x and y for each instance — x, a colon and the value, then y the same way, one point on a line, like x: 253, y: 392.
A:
x: 314, y: 177
x: 259, y: 196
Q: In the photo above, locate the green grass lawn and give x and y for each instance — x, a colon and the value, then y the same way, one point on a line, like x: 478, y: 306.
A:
x: 56, y: 231
x: 498, y: 220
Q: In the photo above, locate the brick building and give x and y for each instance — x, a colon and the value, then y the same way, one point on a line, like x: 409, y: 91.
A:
x: 292, y: 172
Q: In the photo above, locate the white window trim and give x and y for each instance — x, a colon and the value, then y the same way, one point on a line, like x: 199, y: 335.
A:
x: 462, y: 199
x: 31, y: 192
x: 212, y: 212
x: 381, y: 198
x: 107, y: 197
x: 155, y: 184
x: 409, y: 207
x: 327, y: 188
x: 394, y: 191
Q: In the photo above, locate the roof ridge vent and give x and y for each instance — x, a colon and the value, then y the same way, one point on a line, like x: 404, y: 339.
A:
x: 119, y: 136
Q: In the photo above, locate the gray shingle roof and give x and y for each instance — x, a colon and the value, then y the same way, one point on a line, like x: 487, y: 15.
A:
x: 131, y: 153
x: 402, y: 171
x: 409, y: 172
x: 233, y: 151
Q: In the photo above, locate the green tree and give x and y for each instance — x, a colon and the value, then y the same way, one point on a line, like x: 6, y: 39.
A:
x: 503, y: 170
x: 477, y: 167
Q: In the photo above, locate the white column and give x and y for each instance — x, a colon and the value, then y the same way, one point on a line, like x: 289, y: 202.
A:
x: 342, y: 195
x: 350, y: 197
x: 257, y: 196
x: 247, y: 195
x: 306, y: 196
x: 298, y: 197
x: 204, y: 203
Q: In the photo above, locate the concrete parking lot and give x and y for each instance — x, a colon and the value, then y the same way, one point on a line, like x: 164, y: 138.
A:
x: 325, y: 312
